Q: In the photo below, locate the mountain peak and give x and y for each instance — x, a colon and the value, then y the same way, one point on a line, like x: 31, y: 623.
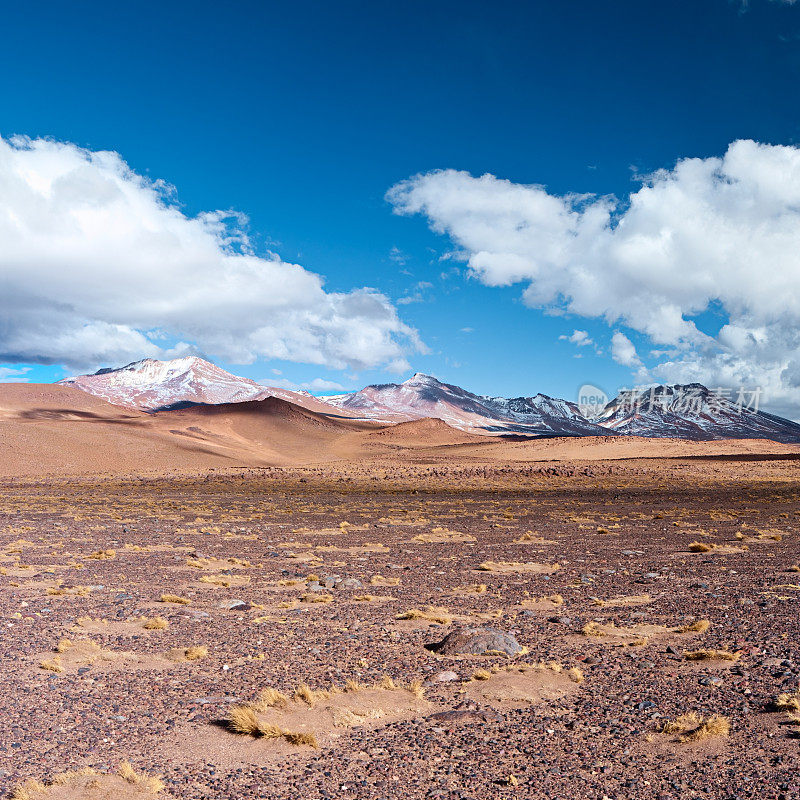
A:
x: 420, y: 378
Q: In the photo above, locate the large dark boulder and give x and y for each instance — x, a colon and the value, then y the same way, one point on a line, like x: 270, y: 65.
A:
x: 476, y: 641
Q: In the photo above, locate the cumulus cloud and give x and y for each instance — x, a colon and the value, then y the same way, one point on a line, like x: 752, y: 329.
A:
x: 721, y: 232
x: 623, y: 351
x: 99, y: 265
x: 578, y: 338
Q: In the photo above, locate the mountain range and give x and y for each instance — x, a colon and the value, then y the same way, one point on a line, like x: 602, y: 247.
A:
x: 689, y: 411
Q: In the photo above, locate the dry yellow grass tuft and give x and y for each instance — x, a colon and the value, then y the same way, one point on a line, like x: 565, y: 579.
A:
x: 155, y: 624
x: 481, y: 675
x: 379, y: 580
x: 34, y: 790
x: 431, y: 613
x: 244, y: 720
x: 694, y: 728
x: 592, y: 629
x: 174, y: 598
x: 128, y: 773
x: 101, y: 555
x: 313, y: 597
x: 700, y: 547
x: 271, y: 698
x: 788, y: 701
x: 698, y: 626
x: 576, y: 674
x: 193, y: 653
x: 29, y: 790
x: 710, y: 655
x: 300, y: 739
x: 517, y: 566
x: 716, y: 725
x: 52, y: 665
x: 216, y: 580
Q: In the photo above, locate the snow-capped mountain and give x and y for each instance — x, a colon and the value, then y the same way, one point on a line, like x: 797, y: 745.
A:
x: 152, y: 385
x: 693, y: 411
x: 686, y: 412
x: 425, y: 396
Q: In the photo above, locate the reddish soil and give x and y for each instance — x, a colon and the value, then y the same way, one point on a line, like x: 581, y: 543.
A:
x: 89, y: 559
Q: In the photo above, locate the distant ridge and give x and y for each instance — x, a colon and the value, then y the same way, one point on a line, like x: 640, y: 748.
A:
x: 689, y: 411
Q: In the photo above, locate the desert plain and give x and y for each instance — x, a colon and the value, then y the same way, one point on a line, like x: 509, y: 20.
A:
x: 226, y: 603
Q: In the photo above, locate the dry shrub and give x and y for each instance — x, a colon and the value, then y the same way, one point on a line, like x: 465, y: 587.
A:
x: 700, y: 547
x: 129, y: 774
x: 481, y: 675
x: 33, y: 789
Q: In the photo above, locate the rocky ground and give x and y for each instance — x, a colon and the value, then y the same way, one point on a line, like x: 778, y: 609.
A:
x: 600, y: 583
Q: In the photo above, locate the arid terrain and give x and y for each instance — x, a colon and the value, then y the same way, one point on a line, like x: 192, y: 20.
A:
x: 265, y: 632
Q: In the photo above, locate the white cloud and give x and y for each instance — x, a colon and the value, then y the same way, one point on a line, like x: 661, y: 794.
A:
x: 99, y: 266
x: 721, y: 232
x: 315, y: 385
x: 322, y: 385
x: 623, y: 351
x: 11, y: 375
x: 417, y: 294
x: 578, y: 338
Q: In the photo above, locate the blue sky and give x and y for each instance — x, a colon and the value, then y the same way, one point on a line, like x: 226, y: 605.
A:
x: 303, y: 115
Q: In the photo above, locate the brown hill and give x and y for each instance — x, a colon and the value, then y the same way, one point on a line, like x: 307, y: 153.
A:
x: 59, y: 430
x: 426, y: 432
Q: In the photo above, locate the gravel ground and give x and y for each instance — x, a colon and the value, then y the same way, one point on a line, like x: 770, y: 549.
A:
x: 87, y: 560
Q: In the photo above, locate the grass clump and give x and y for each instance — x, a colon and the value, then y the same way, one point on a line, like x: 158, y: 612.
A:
x: 174, y: 598
x: 700, y: 547
x: 314, y: 597
x: 698, y: 626
x: 694, y: 728
x: 787, y: 701
x: 52, y: 665
x: 431, y: 613
x: 710, y: 655
x: 592, y: 629
x: 155, y: 624
x: 576, y: 675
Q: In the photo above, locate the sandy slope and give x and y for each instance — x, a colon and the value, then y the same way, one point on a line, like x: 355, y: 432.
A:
x: 50, y: 430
